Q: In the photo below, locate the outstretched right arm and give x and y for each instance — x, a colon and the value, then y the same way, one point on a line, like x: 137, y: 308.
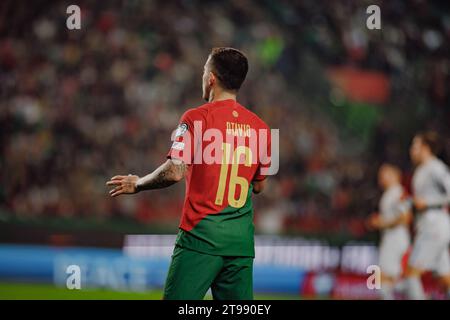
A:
x: 170, y: 172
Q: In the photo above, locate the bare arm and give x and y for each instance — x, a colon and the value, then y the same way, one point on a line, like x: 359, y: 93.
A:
x: 170, y: 172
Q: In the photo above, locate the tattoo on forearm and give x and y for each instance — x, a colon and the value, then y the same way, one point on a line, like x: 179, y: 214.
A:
x: 180, y: 169
x: 166, y: 175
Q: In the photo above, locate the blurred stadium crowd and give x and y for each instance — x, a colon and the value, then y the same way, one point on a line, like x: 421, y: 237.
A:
x: 79, y: 106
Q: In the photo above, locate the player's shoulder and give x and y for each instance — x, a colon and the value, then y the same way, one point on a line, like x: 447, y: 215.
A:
x: 255, y: 118
x: 195, y: 113
x: 439, y: 165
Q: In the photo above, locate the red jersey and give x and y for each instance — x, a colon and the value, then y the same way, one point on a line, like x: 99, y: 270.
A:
x: 225, y: 146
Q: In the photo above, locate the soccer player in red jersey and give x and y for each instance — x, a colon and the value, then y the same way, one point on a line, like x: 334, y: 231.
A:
x: 222, y: 150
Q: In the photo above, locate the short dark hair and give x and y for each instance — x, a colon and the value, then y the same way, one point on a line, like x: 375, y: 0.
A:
x: 230, y: 66
x: 431, y: 139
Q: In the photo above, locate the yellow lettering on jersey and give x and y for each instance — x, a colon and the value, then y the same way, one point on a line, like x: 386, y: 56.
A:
x: 238, y: 129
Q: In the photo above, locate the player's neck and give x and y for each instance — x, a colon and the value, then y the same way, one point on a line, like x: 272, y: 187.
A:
x: 392, y: 185
x: 427, y: 158
x: 220, y: 95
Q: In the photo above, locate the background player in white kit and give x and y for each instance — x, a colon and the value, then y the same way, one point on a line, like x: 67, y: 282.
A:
x: 393, y: 221
x: 431, y: 189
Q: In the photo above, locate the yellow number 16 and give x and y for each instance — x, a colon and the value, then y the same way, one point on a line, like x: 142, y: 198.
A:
x: 234, y: 178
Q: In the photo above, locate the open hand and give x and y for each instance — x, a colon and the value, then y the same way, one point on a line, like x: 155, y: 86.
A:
x: 123, y: 185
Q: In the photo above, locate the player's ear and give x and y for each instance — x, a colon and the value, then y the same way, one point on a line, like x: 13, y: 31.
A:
x: 212, y: 79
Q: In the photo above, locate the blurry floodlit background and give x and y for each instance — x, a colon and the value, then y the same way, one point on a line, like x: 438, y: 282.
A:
x: 77, y: 107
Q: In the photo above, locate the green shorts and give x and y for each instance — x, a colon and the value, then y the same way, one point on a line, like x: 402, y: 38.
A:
x: 192, y: 273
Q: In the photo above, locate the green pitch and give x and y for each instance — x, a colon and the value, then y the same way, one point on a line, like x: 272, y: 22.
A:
x: 14, y: 291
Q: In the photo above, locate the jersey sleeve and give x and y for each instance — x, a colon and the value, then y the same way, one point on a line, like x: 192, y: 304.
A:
x: 264, y: 156
x: 441, y: 174
x: 183, y: 138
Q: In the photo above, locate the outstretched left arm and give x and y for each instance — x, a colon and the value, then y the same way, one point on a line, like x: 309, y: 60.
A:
x: 168, y: 173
